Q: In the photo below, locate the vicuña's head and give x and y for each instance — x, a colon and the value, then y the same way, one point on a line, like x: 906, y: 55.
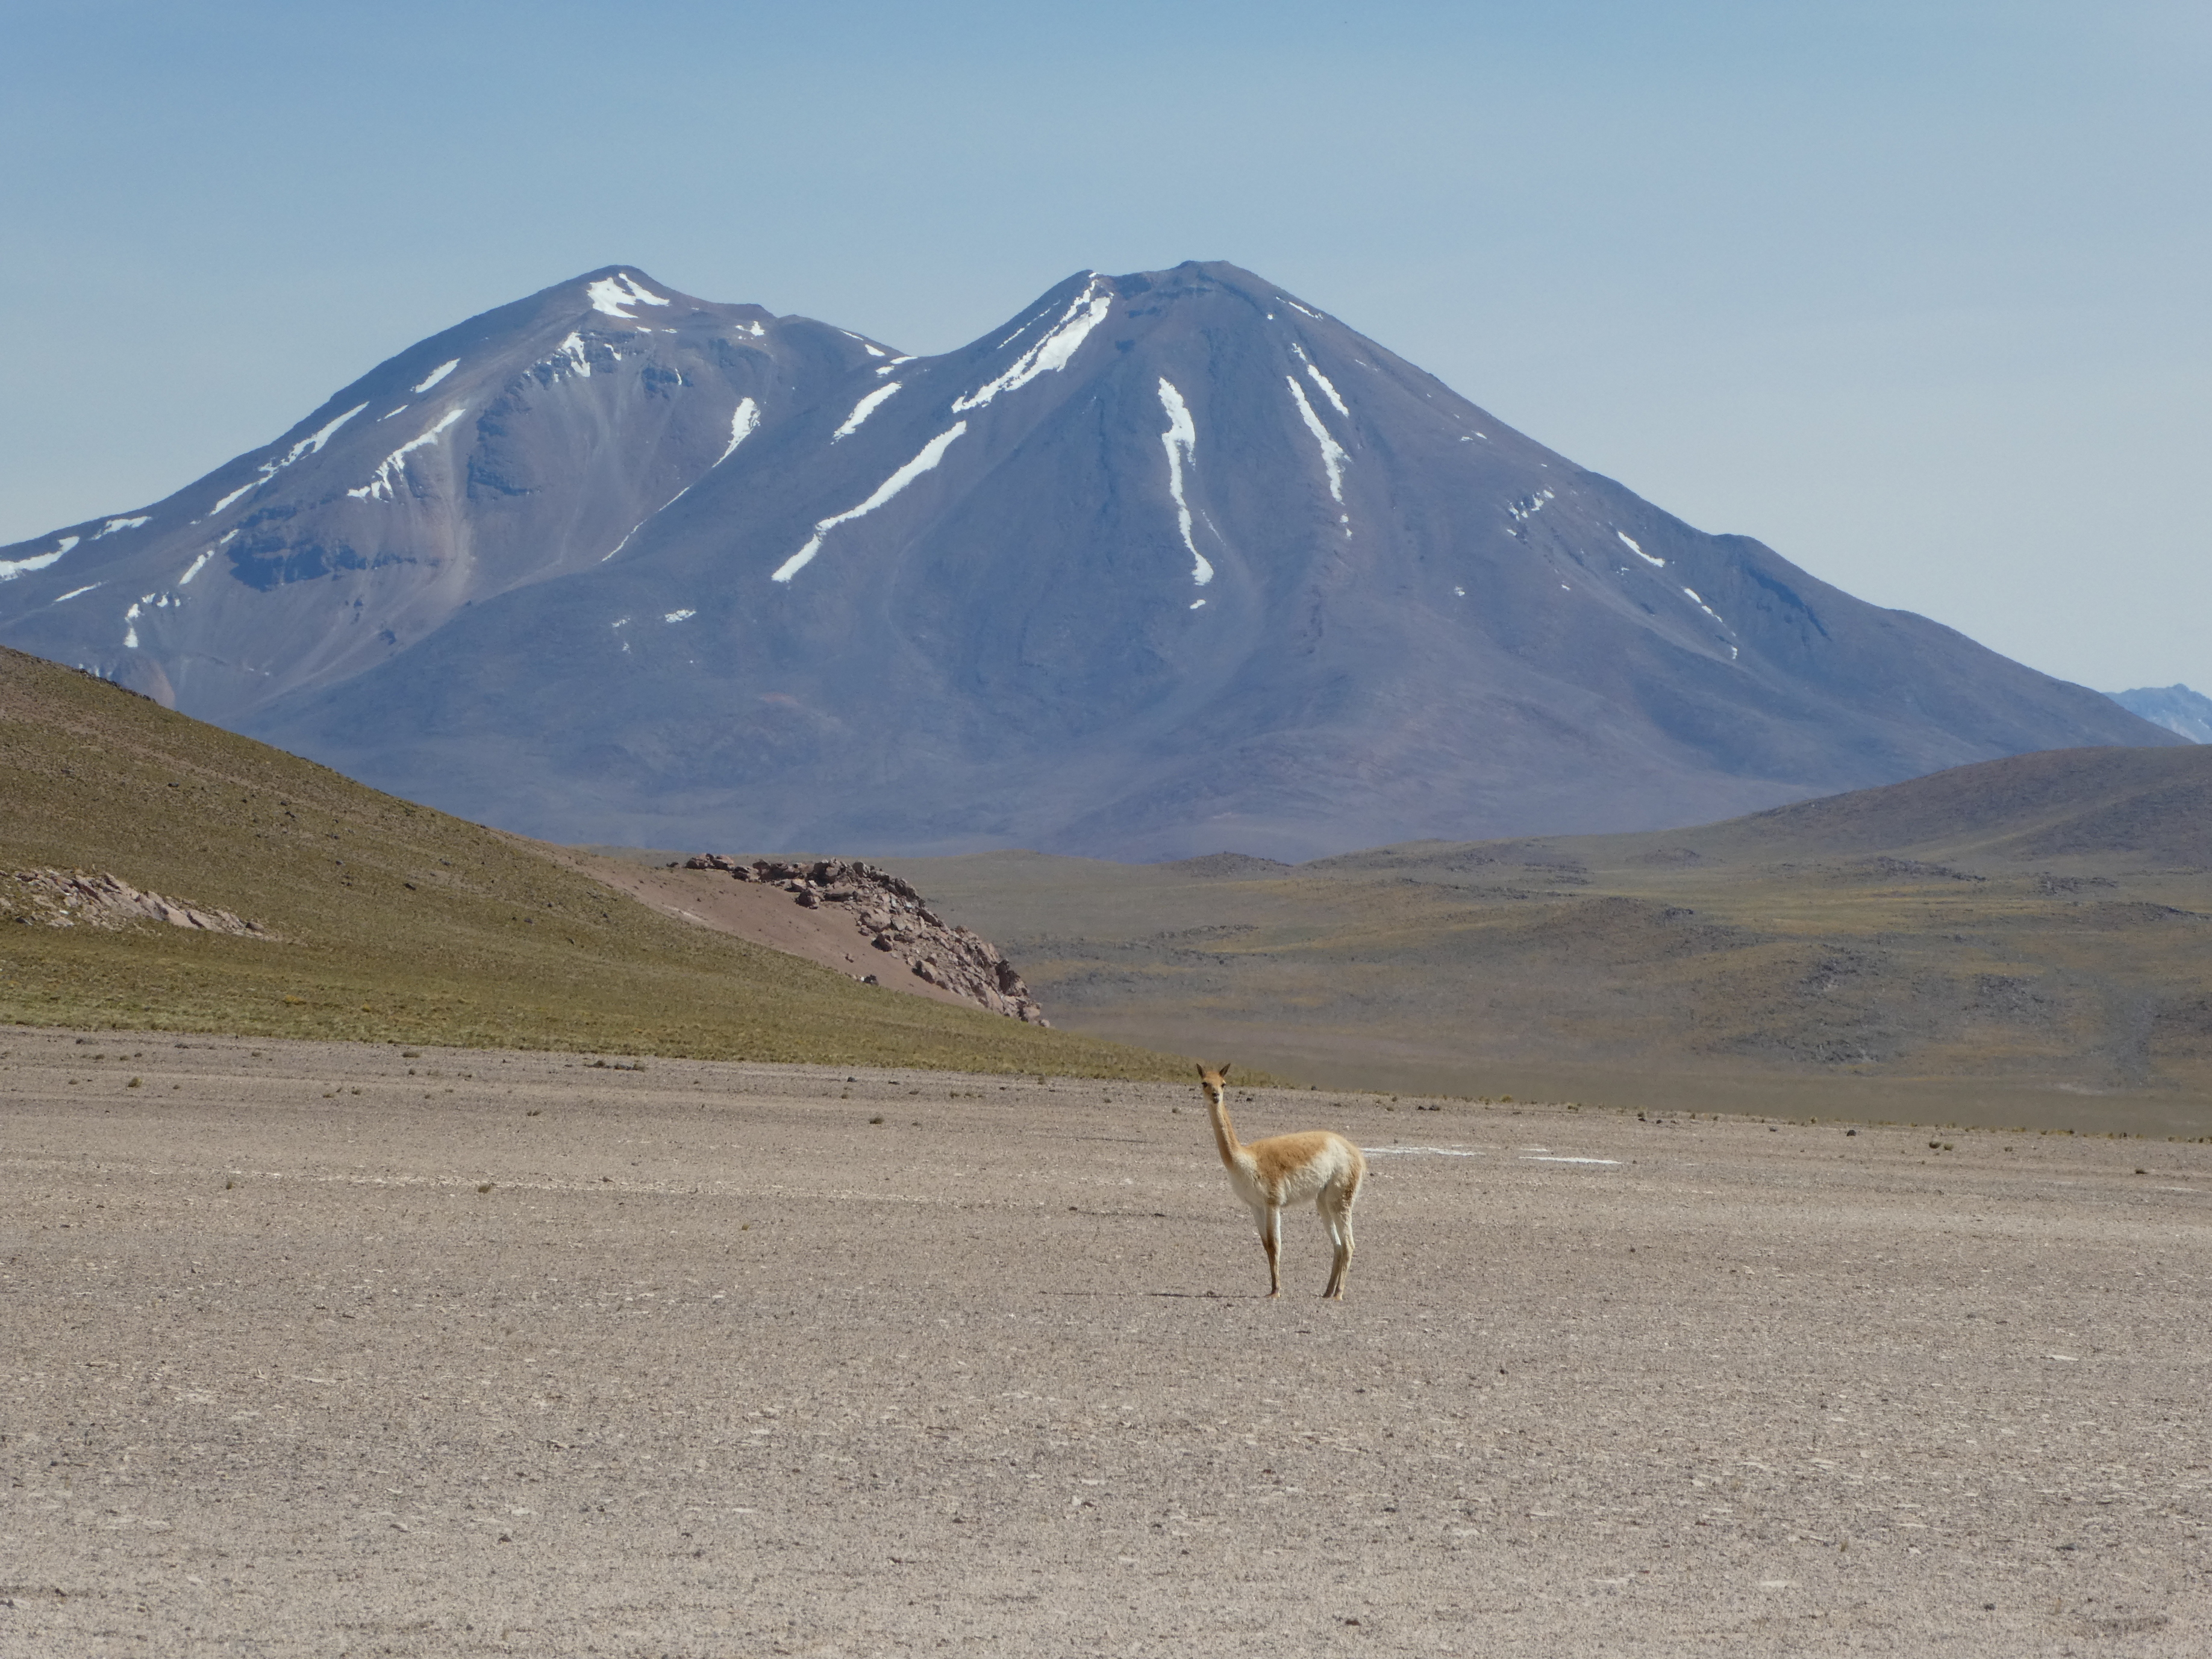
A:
x: 1211, y: 1082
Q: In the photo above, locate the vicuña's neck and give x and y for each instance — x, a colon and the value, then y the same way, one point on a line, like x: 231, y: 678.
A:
x: 1225, y: 1132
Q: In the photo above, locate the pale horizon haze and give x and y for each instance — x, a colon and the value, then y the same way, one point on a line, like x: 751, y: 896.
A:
x: 1913, y: 293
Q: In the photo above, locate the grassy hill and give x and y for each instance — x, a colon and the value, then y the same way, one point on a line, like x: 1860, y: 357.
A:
x: 395, y: 922
x: 2024, y: 941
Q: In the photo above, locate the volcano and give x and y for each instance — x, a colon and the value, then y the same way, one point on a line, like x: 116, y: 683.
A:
x: 1169, y: 563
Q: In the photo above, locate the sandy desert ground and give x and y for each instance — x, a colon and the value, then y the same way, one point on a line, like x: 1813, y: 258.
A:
x: 340, y: 1350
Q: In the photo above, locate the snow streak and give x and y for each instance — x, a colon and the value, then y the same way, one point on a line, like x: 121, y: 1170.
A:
x: 743, y: 419
x: 438, y: 374
x: 311, y: 444
x: 861, y: 410
x: 1181, y: 442
x: 1631, y: 544
x: 1322, y: 380
x: 394, y: 466
x: 1084, y: 314
x: 932, y: 453
x: 1332, y: 452
x: 11, y: 569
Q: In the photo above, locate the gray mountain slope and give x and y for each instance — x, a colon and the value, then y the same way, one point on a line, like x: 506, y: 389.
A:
x: 518, y: 448
x: 2176, y: 707
x: 1171, y: 562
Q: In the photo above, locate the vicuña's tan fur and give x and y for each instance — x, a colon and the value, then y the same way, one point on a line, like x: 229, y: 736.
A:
x: 1319, y: 1165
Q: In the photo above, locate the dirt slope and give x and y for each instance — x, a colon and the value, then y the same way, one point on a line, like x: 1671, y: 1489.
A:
x: 2024, y: 940
x: 394, y: 922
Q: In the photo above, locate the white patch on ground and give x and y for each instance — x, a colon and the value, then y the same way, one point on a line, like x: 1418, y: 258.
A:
x: 1702, y: 606
x: 757, y: 330
x: 1180, y: 441
x: 114, y: 525
x: 1529, y: 505
x: 389, y: 413
x: 74, y: 591
x: 198, y: 565
x: 1084, y: 313
x: 1461, y: 591
x: 1197, y: 604
x: 678, y: 615
x: 865, y: 407
x: 382, y: 487
x: 743, y: 419
x: 1295, y: 307
x: 611, y: 294
x: 437, y: 374
x: 1332, y: 452
x: 888, y: 368
x: 1630, y: 542
x: 11, y: 569
x: 932, y: 453
x: 1328, y: 386
x: 618, y: 547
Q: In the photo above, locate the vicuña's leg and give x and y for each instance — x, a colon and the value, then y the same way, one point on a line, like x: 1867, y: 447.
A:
x: 1271, y: 1239
x: 1336, y: 1211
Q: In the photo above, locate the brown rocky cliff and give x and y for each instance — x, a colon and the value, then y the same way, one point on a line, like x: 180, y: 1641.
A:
x: 890, y: 917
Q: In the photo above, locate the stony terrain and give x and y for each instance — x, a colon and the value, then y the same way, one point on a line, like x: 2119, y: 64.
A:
x: 72, y: 898
x: 332, y: 1349
x: 885, y: 910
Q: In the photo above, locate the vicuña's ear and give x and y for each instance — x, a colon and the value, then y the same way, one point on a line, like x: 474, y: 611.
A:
x: 1201, y: 1068
x: 1224, y: 1068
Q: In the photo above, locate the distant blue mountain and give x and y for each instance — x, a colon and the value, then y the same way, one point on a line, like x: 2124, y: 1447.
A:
x: 2176, y: 707
x: 1168, y: 562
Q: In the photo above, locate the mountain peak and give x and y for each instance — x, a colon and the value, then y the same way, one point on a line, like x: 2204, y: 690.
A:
x: 1168, y: 562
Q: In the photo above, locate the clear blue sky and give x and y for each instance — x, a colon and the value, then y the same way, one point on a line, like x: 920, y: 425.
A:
x: 1916, y: 293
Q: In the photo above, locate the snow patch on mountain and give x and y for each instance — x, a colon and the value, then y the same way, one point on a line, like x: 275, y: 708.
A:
x: 932, y: 453
x: 1328, y: 386
x: 381, y: 487
x: 1084, y: 313
x: 438, y: 374
x: 11, y: 569
x: 861, y: 410
x: 1635, y: 548
x: 743, y: 419
x: 114, y: 525
x: 611, y: 294
x: 1332, y: 456
x: 1180, y: 441
x: 310, y: 445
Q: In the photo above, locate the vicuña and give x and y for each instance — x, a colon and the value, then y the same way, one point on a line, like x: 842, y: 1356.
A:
x: 1318, y: 1163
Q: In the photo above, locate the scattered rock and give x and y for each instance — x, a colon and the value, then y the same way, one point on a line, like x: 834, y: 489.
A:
x: 71, y: 898
x: 887, y: 912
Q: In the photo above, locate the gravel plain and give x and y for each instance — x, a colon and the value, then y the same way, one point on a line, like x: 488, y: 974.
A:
x: 347, y: 1349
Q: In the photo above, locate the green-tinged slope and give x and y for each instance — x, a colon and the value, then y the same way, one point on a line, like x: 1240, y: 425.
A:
x: 398, y: 923
x: 2023, y: 940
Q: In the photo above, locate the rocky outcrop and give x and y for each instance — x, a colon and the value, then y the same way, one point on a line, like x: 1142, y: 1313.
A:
x: 71, y: 898
x: 890, y: 915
